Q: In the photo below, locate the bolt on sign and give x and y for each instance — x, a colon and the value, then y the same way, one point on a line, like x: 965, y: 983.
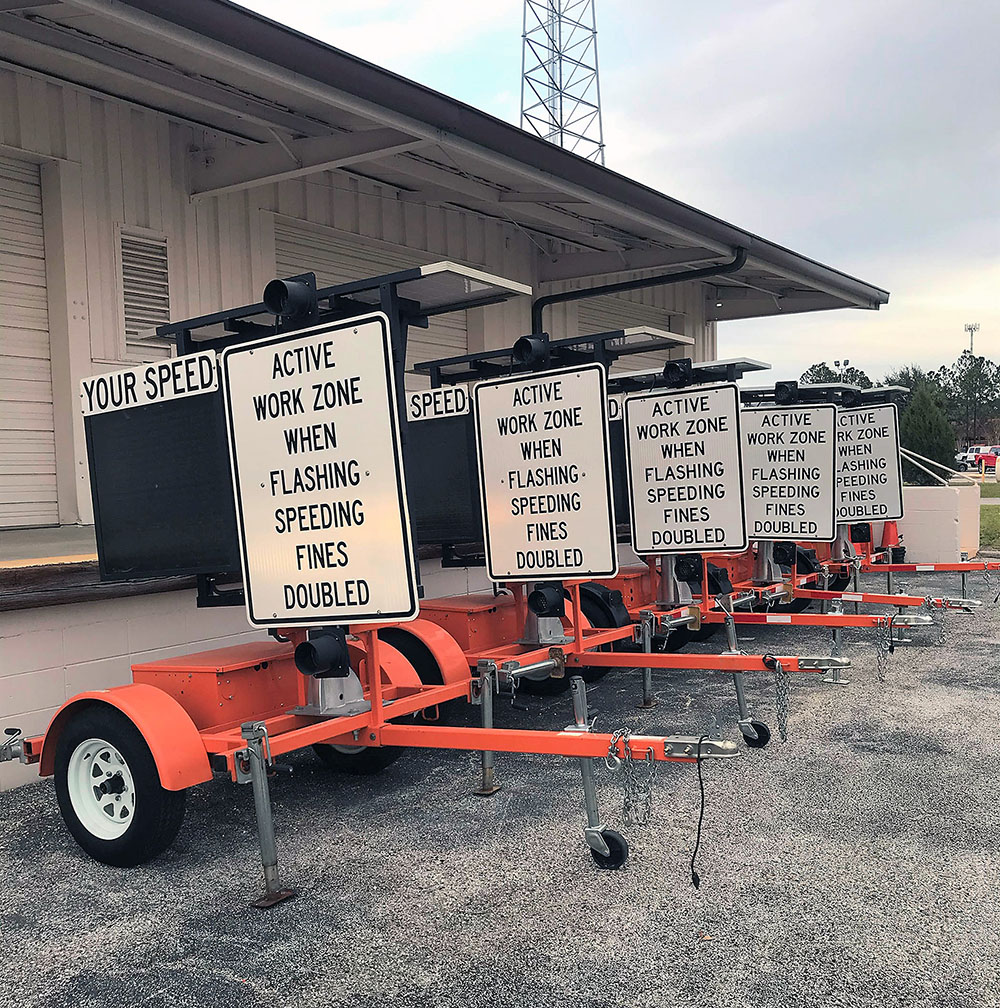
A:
x: 545, y: 475
x: 318, y: 474
x: 789, y: 470
x: 685, y: 470
x: 869, y: 469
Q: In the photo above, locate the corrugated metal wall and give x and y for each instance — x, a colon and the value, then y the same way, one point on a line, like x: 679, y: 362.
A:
x: 27, y: 430
x: 134, y: 166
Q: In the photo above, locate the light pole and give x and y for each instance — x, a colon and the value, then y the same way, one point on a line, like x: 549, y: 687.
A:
x: 971, y: 328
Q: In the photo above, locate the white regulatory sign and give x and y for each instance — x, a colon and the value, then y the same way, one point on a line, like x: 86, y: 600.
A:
x: 684, y: 469
x: 317, y: 468
x: 545, y: 475
x: 149, y: 383
x: 869, y: 469
x: 789, y: 470
x: 432, y: 404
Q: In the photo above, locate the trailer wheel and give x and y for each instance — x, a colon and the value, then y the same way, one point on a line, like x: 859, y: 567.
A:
x: 109, y: 790
x: 358, y: 760
x: 598, y: 616
x: 763, y: 735
x: 839, y: 582
x: 617, y: 851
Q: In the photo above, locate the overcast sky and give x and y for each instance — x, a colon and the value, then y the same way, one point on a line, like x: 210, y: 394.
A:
x: 862, y: 133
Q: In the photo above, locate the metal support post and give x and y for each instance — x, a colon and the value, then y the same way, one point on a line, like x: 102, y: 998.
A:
x: 257, y: 759
x: 824, y: 582
x: 856, y: 582
x: 833, y: 676
x: 965, y: 584
x: 889, y: 583
x: 487, y: 686
x: 593, y: 832
x: 646, y: 639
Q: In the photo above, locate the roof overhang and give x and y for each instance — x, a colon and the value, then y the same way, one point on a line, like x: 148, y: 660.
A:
x: 303, y: 107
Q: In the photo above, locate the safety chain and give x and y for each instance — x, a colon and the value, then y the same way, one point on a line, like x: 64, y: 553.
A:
x: 991, y: 599
x: 781, y: 698
x: 941, y: 623
x: 637, y: 785
x: 883, y: 647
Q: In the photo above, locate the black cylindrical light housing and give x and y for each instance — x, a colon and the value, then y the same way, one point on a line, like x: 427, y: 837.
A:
x: 531, y: 349
x: 678, y: 373
x: 324, y: 657
x: 289, y: 298
x: 547, y: 600
x: 786, y: 392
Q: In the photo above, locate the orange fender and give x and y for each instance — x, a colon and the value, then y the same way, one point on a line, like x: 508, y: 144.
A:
x: 396, y: 670
x: 177, y: 748
x: 445, y: 651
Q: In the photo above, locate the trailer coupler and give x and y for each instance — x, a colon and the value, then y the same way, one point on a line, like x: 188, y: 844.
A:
x: 12, y: 746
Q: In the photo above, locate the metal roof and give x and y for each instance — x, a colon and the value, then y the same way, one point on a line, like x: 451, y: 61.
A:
x: 305, y: 106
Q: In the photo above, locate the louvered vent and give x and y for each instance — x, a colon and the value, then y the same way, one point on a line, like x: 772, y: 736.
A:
x: 146, y: 293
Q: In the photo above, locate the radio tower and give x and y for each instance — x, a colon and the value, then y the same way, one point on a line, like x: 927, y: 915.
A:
x: 560, y: 94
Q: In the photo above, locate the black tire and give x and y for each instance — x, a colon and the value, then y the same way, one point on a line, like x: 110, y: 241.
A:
x: 158, y: 813
x: 618, y: 851
x: 598, y: 617
x: 839, y: 582
x: 367, y: 760
x: 763, y: 735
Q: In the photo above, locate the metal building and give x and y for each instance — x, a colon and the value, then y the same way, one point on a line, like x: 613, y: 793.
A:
x: 165, y: 159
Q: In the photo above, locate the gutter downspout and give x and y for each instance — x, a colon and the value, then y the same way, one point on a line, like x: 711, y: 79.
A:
x: 662, y: 279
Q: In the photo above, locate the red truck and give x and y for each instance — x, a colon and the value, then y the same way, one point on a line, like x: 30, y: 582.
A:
x: 987, y: 457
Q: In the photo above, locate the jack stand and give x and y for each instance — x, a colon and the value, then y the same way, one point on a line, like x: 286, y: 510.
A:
x: 856, y: 581
x: 890, y: 588
x: 646, y: 642
x: 594, y: 833
x: 824, y: 583
x: 834, y: 677
x: 754, y: 732
x: 965, y: 584
x: 256, y: 759
x: 487, y: 684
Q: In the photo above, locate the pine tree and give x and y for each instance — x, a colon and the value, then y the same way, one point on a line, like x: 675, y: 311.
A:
x: 925, y: 430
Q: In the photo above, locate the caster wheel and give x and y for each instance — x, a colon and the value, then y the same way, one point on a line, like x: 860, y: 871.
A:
x: 109, y: 791
x: 763, y: 735
x: 357, y: 760
x: 617, y: 851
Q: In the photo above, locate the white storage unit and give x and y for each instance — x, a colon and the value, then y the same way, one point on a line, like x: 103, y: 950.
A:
x: 604, y: 314
x: 27, y: 439
x: 300, y: 248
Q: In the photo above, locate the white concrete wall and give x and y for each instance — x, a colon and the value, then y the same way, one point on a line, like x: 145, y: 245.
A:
x: 940, y: 523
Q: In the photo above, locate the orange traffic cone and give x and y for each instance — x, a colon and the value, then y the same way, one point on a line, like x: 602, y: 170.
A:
x: 892, y: 543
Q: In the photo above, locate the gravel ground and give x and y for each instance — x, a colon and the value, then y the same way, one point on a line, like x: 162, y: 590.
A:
x: 854, y: 865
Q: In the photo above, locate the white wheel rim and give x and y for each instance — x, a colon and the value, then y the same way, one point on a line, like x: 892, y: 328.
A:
x: 101, y: 789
